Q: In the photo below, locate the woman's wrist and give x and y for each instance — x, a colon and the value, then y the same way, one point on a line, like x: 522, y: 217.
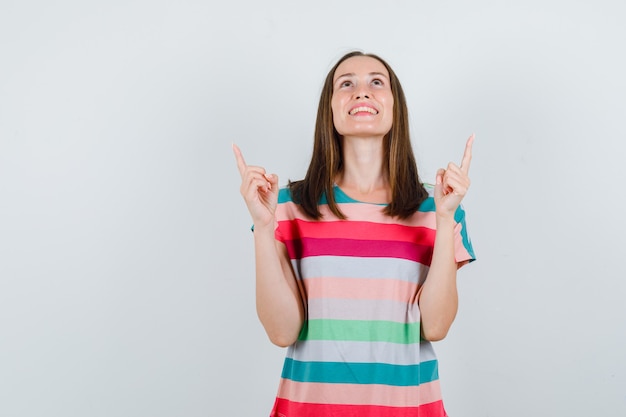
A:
x: 263, y: 230
x: 445, y: 220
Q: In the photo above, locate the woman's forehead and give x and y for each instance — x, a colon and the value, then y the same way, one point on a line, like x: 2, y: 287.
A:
x: 360, y: 64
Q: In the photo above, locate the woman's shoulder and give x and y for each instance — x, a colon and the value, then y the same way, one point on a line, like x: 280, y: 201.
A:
x: 429, y: 202
x: 291, y: 193
x: 430, y: 188
x: 284, y: 195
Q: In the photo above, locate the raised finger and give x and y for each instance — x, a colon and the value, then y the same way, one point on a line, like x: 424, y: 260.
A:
x: 241, y: 163
x: 467, y: 155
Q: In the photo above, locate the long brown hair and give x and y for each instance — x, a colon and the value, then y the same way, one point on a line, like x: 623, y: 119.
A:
x: 407, y: 191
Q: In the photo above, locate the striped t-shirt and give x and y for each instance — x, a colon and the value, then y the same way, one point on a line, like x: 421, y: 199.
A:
x: 359, y: 353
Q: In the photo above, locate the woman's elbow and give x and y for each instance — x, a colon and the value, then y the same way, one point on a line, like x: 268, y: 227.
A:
x: 282, y: 340
x: 285, y: 335
x: 435, y: 334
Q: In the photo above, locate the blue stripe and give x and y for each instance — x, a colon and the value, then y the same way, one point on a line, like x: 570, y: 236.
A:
x: 284, y: 196
x: 459, y: 217
x: 361, y: 373
x: 427, y: 205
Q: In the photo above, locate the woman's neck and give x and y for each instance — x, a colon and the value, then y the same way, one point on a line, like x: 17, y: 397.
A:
x: 363, y: 176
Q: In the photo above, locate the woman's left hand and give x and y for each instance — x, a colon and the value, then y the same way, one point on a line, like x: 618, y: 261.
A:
x: 452, y: 183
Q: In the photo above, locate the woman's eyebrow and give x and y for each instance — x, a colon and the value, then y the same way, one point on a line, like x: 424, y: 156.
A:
x: 379, y: 74
x: 350, y: 74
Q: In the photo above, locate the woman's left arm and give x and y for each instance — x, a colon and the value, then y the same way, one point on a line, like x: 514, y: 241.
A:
x: 438, y: 297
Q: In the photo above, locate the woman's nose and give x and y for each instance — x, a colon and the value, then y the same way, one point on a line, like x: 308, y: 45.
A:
x: 361, y: 92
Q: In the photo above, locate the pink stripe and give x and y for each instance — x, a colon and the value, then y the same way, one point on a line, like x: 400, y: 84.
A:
x: 296, y: 229
x: 365, y: 394
x: 286, y: 408
x: 460, y: 252
x: 357, y: 288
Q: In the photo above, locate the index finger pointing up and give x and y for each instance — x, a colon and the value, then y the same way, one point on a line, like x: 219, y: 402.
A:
x: 241, y: 163
x: 467, y: 155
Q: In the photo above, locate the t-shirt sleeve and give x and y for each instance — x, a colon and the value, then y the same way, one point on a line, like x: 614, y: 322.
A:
x: 283, y: 216
x: 463, y: 249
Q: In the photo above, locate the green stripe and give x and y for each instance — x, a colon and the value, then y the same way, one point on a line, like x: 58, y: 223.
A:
x: 361, y: 331
x: 360, y: 373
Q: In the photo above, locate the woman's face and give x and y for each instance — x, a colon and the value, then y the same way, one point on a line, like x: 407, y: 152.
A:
x: 362, y: 101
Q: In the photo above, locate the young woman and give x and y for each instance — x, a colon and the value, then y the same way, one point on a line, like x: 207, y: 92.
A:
x: 356, y: 264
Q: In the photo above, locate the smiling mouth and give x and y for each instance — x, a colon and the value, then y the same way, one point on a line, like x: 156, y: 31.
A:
x: 363, y: 109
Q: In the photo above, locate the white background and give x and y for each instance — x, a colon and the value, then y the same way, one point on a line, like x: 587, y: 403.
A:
x: 126, y: 263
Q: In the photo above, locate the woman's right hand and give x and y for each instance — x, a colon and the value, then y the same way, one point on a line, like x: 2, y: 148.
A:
x: 259, y: 190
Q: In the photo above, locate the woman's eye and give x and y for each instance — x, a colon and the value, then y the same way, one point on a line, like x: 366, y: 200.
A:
x: 346, y: 84
x: 377, y: 82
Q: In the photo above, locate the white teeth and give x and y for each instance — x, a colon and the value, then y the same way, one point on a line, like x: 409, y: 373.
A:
x: 363, y: 109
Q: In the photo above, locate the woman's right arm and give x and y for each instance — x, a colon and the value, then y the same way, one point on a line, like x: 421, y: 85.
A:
x: 278, y: 301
